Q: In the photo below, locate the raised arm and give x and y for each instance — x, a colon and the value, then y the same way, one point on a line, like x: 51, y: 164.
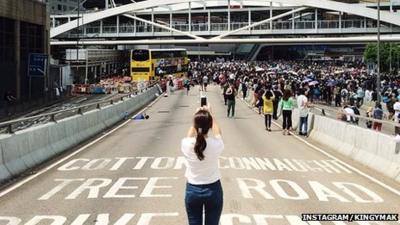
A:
x: 191, y: 132
x: 215, y: 128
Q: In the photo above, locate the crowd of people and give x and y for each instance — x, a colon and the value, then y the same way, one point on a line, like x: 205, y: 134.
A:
x: 279, y: 86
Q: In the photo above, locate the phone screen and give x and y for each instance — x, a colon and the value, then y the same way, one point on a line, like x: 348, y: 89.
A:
x: 203, y: 101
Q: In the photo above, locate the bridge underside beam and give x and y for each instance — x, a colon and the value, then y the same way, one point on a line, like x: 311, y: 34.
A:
x: 305, y: 40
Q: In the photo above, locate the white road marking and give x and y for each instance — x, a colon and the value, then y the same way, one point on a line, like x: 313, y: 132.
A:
x: 44, y: 170
x: 380, y: 183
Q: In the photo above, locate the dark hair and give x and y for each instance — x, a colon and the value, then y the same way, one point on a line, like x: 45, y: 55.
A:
x: 286, y: 94
x: 302, y: 91
x: 268, y: 94
x: 202, y: 123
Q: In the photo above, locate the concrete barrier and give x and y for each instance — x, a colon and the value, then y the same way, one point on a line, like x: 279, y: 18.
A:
x: 15, y: 153
x: 30, y: 147
x: 4, y: 173
x: 375, y: 150
x: 56, y: 131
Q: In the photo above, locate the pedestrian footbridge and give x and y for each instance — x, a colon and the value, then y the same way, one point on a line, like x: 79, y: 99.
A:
x: 211, y: 20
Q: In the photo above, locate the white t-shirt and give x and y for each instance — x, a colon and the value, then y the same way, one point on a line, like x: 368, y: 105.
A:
x: 205, y: 79
x: 350, y: 113
x: 396, y: 107
x: 301, y: 104
x: 205, y: 171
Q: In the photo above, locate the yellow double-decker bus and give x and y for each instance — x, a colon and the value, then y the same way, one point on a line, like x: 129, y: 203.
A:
x: 148, y: 64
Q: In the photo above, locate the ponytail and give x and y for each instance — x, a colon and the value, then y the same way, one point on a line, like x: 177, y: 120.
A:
x: 202, y: 123
x: 200, y: 145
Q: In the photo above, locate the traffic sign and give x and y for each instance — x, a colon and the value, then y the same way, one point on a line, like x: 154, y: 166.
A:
x: 37, y: 65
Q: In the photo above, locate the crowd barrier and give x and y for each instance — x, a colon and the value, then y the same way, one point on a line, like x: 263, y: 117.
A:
x: 28, y: 148
x: 375, y: 150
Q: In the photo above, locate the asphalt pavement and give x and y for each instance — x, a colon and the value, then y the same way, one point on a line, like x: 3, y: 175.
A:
x: 135, y: 175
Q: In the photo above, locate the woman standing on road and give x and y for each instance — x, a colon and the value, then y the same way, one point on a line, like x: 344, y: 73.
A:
x: 268, y: 108
x: 286, y: 105
x: 203, y: 188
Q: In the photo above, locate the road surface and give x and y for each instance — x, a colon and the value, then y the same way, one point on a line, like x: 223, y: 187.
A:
x: 134, y: 175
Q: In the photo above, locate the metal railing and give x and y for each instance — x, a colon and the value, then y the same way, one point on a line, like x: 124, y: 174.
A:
x: 26, y: 122
x: 204, y: 27
x: 387, y: 126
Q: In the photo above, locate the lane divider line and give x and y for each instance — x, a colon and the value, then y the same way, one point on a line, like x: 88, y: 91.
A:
x: 359, y: 172
x: 44, y: 170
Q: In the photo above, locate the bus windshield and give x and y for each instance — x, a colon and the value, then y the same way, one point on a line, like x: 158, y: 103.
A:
x: 140, y: 55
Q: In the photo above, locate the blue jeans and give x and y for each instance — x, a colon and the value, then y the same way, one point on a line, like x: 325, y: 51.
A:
x: 303, y: 122
x: 231, y: 107
x: 209, y: 197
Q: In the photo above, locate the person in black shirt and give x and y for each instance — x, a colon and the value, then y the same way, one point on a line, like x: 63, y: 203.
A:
x: 278, y: 95
x: 230, y: 97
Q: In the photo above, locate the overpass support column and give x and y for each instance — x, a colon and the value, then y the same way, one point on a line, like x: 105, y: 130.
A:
x: 152, y: 20
x: 270, y: 15
x: 249, y: 19
x: 391, y: 6
x: 316, y: 20
x: 134, y: 27
x: 117, y: 25
x: 209, y: 20
x: 190, y: 17
x: 106, y: 4
x: 229, y: 15
x: 293, y: 22
x: 365, y: 24
x: 101, y: 27
x: 170, y: 21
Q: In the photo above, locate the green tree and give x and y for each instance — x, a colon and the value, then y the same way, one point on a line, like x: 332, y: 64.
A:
x: 370, y: 55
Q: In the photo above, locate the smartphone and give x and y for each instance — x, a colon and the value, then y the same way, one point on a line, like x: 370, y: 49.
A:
x: 203, y: 101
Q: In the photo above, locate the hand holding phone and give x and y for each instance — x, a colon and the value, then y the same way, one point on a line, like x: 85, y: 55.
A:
x: 203, y: 101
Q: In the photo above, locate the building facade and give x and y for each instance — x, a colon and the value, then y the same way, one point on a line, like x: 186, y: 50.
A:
x: 59, y: 7
x: 24, y: 29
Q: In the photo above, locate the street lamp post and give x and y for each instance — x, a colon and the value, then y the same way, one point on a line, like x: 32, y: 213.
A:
x: 378, y: 75
x: 78, y: 36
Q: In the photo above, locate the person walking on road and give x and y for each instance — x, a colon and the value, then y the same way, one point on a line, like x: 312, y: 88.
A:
x: 244, y: 88
x: 378, y: 115
x: 302, y: 104
x: 205, y: 83
x: 268, y: 108
x: 396, y: 108
x: 204, y: 192
x: 278, y: 94
x: 187, y: 85
x: 286, y: 106
x: 224, y: 89
x: 230, y: 97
